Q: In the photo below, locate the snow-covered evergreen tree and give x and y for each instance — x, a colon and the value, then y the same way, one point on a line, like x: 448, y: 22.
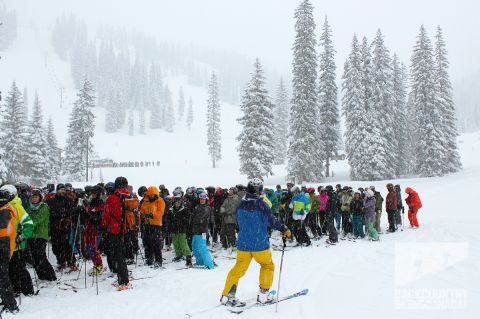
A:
x: 181, y: 104
x: 80, y: 133
x: 353, y: 109
x: 131, y: 128
x: 53, y: 153
x: 446, y: 107
x: 155, y: 88
x: 79, y: 55
x: 141, y: 124
x: 190, y: 113
x: 13, y: 133
x: 327, y: 89
x: 382, y: 157
x: 214, y: 132
x: 169, y: 118
x: 400, y: 115
x: 306, y: 146
x: 428, y: 139
x: 25, y: 101
x: 256, y: 144
x: 281, y: 122
x: 37, y: 147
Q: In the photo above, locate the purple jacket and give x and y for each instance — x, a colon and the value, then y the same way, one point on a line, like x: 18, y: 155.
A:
x: 369, y: 208
x: 323, y: 198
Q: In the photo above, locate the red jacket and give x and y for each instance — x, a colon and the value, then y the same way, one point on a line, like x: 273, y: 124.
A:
x: 113, y: 215
x: 413, y: 199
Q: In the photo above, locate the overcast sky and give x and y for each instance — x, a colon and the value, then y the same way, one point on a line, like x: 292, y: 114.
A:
x: 264, y: 28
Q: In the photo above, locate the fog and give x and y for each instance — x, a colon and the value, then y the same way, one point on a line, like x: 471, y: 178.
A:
x: 264, y: 28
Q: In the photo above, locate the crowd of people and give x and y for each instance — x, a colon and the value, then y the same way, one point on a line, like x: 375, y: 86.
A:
x: 110, y: 219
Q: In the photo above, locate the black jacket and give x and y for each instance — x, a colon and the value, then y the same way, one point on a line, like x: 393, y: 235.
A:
x: 180, y: 219
x: 357, y: 207
x: 201, y: 217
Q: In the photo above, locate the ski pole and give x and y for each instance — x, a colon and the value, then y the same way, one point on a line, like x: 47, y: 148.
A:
x: 280, y: 272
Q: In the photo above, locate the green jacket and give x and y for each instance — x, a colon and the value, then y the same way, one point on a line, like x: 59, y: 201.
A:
x: 25, y: 223
x: 314, y: 202
x: 345, y: 201
x: 274, y: 200
x: 378, y: 202
x: 40, y: 215
x: 228, y: 210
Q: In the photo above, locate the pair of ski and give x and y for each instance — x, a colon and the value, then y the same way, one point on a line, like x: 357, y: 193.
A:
x: 251, y: 303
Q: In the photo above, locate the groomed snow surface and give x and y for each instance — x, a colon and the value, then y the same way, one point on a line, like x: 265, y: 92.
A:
x: 430, y: 272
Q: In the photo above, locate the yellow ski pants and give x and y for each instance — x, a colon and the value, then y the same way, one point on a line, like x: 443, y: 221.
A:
x: 267, y: 268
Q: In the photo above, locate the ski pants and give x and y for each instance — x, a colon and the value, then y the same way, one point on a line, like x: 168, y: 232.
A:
x: 61, y: 248
x: 398, y: 217
x: 372, y: 231
x: 131, y: 244
x: 412, y: 216
x: 391, y: 220
x: 338, y: 219
x: 40, y: 262
x: 6, y: 291
x: 313, y: 220
x: 19, y: 275
x: 300, y: 232
x: 115, y: 243
x: 152, y: 243
x: 227, y: 235
x: 180, y: 245
x: 267, y: 268
x: 323, y: 224
x: 201, y: 253
x: 330, y: 226
x: 346, y: 223
x: 358, y: 226
x: 378, y: 219
x: 92, y: 241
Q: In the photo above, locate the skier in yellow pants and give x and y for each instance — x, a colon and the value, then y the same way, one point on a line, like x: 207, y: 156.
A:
x: 254, y: 217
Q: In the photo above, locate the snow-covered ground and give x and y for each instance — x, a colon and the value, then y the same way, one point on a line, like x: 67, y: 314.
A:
x: 430, y: 272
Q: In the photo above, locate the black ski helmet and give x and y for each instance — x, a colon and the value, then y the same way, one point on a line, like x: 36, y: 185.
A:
x: 121, y: 182
x: 141, y: 191
x: 255, y: 186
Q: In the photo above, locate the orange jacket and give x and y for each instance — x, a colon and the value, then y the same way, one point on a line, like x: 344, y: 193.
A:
x: 9, y: 222
x: 156, y: 208
x: 130, y: 205
x: 413, y: 199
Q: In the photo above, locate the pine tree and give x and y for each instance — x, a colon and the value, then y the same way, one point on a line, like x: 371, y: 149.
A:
x: 190, y: 113
x: 79, y: 55
x: 80, y: 133
x: 327, y: 89
x: 25, y: 101
x: 353, y: 107
x: 156, y: 94
x: 256, y: 137
x: 141, y: 124
x: 381, y: 115
x: 169, y: 118
x: 37, y: 147
x: 131, y: 129
x: 214, y: 138
x: 428, y: 143
x: 13, y: 133
x: 53, y: 154
x: 306, y: 145
x: 446, y: 107
x: 399, y: 116
x: 281, y: 121
x: 181, y: 104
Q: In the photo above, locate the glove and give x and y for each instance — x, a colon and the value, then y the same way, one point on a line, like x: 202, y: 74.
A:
x: 19, y: 239
x: 147, y: 216
x: 286, y: 233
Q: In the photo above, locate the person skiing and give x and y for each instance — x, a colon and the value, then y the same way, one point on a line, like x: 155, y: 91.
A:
x: 179, y: 224
x: 400, y: 209
x: 201, y: 219
x: 369, y: 209
x: 414, y: 204
x: 254, y: 217
x: 228, y: 211
x: 356, y: 207
x: 8, y: 234
x: 391, y: 207
x: 331, y: 212
x: 114, y: 222
x: 18, y: 273
x: 345, y: 202
x: 131, y: 232
x: 301, y: 208
x: 151, y: 212
x: 40, y: 215
x: 312, y: 218
x: 93, y: 219
x: 378, y: 209
x: 323, y: 199
x: 338, y: 214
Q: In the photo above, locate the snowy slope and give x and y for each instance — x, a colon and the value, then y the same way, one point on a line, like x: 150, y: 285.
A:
x: 352, y: 279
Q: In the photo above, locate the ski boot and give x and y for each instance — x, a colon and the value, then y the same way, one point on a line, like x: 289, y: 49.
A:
x: 189, y: 261
x: 231, y: 301
x: 124, y: 287
x: 264, y: 296
x: 177, y: 259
